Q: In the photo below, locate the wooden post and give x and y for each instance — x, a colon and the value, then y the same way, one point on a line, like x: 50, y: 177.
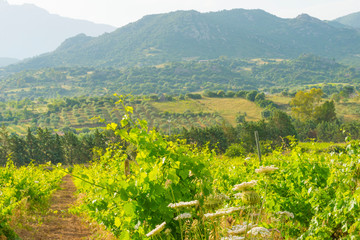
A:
x: 258, y: 145
x: 127, y: 167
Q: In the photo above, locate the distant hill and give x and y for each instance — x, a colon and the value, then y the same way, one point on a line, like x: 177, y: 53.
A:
x: 7, y: 61
x: 27, y: 30
x: 184, y: 35
x: 352, y: 20
x: 176, y: 78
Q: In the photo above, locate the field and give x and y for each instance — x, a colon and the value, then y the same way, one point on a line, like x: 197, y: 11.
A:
x: 151, y: 187
x: 229, y: 107
x: 198, y: 195
x: 225, y: 107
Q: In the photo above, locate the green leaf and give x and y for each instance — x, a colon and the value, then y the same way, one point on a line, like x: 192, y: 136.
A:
x: 184, y: 174
x: 129, y: 209
x: 129, y: 109
x: 125, y: 235
x: 124, y: 122
x: 117, y: 222
x: 153, y: 174
x: 112, y: 126
x: 84, y: 176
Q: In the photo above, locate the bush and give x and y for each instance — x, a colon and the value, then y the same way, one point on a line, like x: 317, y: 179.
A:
x: 235, y: 150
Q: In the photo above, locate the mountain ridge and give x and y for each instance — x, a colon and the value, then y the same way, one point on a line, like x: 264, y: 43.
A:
x: 31, y: 31
x: 179, y: 35
x: 352, y: 20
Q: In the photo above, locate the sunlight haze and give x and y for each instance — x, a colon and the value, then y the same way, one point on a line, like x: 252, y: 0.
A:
x: 120, y: 13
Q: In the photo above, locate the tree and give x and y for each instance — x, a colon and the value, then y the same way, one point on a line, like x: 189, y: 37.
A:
x: 325, y: 112
x: 251, y: 95
x: 281, y: 125
x: 259, y: 97
x: 4, y: 145
x: 32, y: 146
x: 304, y: 104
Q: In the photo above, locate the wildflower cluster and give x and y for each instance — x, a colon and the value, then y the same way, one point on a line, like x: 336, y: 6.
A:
x: 267, y: 169
x: 264, y: 232
x: 286, y: 213
x: 184, y: 204
x: 183, y: 216
x: 240, y: 229
x: 245, y: 185
x: 156, y: 230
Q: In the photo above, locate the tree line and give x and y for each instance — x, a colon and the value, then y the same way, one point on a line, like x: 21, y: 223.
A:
x: 42, y: 145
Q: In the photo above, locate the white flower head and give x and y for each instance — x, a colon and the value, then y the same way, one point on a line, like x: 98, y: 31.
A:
x: 156, y: 230
x: 216, y: 214
x: 244, y: 186
x: 241, y: 229
x: 286, y: 213
x: 183, y: 216
x: 230, y: 210
x: 136, y: 227
x: 264, y: 232
x: 238, y: 195
x: 184, y: 204
x: 267, y: 169
x: 233, y: 238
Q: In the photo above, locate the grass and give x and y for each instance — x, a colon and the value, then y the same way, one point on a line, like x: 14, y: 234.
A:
x: 179, y: 106
x: 318, y: 146
x: 281, y: 100
x: 229, y: 107
x: 349, y: 110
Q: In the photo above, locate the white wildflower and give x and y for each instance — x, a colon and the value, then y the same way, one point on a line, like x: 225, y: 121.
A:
x: 245, y: 185
x: 264, y: 232
x: 223, y: 212
x: 156, y: 230
x: 136, y: 227
x: 241, y: 229
x: 184, y: 204
x: 183, y: 216
x: 36, y: 181
x: 238, y: 195
x: 230, y: 210
x: 288, y: 214
x: 214, y: 215
x: 233, y: 238
x: 267, y: 169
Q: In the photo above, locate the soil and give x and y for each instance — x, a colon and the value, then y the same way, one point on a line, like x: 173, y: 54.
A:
x: 58, y: 223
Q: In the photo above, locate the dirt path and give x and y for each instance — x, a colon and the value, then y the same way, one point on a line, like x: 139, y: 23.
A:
x: 58, y: 223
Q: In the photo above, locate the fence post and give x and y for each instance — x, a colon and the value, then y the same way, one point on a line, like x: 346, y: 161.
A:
x: 258, y: 145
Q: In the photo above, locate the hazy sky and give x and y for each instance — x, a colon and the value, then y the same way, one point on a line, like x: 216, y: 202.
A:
x: 121, y: 12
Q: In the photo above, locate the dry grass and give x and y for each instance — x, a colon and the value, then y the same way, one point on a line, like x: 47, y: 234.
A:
x: 226, y: 107
x: 179, y: 106
x: 280, y: 100
x: 349, y: 110
x: 229, y: 107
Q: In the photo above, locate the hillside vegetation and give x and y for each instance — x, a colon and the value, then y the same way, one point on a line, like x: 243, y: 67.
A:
x: 180, y: 35
x: 177, y: 77
x: 352, y: 20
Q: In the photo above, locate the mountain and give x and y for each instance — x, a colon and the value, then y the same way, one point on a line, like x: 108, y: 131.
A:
x: 352, y: 20
x: 28, y: 30
x: 182, y: 35
x: 7, y: 61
